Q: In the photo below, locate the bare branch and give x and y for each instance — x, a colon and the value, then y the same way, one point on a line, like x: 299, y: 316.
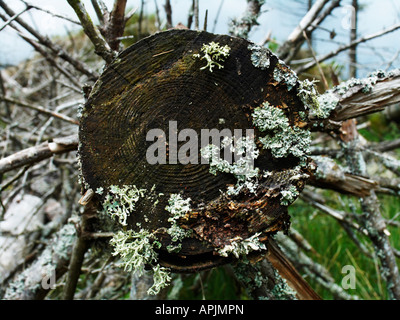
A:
x: 168, y: 12
x: 40, y: 109
x: 38, y: 153
x: 347, y: 47
x: 57, y: 50
x: 100, y: 45
x: 114, y: 28
x: 13, y: 18
x: 51, y: 13
x: 296, y: 38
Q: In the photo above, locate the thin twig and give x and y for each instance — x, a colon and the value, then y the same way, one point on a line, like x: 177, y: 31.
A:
x: 315, y: 59
x: 57, y: 50
x: 13, y: 18
x: 348, y: 46
x: 101, y: 47
x: 40, y: 109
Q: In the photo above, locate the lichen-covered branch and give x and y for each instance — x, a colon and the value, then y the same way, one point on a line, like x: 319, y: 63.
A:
x: 329, y: 175
x: 312, y: 269
x: 262, y: 281
x: 355, y: 98
x: 241, y: 27
x: 372, y: 218
x: 31, y: 284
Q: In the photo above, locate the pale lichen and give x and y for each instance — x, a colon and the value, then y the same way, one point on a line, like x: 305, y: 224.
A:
x: 289, y: 195
x: 136, y: 250
x: 120, y: 202
x: 281, y: 290
x: 242, y: 168
x: 241, y: 247
x: 178, y: 207
x: 259, y: 56
x: 283, y: 73
x: 308, y: 94
x: 213, y: 54
x: 327, y: 103
x: 366, y: 84
x: 281, y: 139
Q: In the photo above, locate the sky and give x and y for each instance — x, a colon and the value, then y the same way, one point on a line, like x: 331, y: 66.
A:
x: 278, y: 17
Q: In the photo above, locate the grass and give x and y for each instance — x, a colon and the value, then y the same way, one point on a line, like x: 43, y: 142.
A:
x: 335, y: 249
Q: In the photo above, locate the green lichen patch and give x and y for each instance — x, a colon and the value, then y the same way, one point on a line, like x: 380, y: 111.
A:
x: 214, y: 54
x: 289, y: 195
x: 327, y: 103
x: 281, y: 290
x: 242, y: 247
x: 259, y: 56
x: 242, y: 168
x: 282, y: 73
x: 120, y: 202
x: 308, y: 94
x: 366, y: 84
x: 177, y: 207
x: 281, y: 139
x: 136, y: 250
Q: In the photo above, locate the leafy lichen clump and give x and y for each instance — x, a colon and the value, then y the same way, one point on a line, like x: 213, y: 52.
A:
x: 120, y: 202
x: 283, y: 73
x: 327, y: 103
x: 239, y: 247
x: 281, y: 138
x: 366, y: 84
x: 259, y: 56
x: 213, y: 54
x: 289, y: 195
x: 242, y: 168
x: 308, y: 94
x: 136, y: 249
x: 178, y: 207
x: 281, y: 290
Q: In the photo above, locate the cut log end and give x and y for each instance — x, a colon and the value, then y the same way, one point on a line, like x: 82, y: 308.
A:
x: 164, y: 83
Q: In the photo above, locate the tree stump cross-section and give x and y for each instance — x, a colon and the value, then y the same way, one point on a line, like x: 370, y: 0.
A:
x: 160, y: 83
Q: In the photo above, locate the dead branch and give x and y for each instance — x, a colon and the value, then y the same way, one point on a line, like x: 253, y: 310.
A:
x: 38, y: 153
x: 55, y: 49
x: 101, y: 47
x: 289, y: 48
x: 372, y: 218
x: 40, y: 109
x: 347, y: 47
x: 168, y: 12
x: 31, y: 284
x: 330, y: 176
x: 241, y: 27
x: 113, y: 24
